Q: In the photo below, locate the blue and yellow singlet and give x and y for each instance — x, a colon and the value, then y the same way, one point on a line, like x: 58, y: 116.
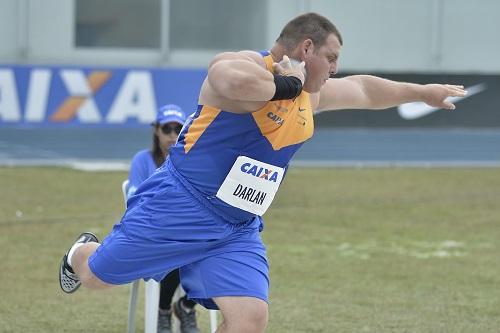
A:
x: 213, y: 140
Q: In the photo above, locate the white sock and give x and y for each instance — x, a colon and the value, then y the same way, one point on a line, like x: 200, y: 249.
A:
x: 72, y: 251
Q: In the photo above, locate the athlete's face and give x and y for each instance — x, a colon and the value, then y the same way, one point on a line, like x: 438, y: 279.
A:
x: 167, y: 135
x: 321, y: 63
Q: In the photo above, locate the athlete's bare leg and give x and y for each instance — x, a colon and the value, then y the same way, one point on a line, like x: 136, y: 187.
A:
x: 80, y: 264
x: 242, y: 314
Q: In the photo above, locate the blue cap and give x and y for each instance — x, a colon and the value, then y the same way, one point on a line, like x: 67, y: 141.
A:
x: 170, y: 113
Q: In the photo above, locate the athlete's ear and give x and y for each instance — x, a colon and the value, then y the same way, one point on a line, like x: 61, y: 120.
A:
x: 307, y: 46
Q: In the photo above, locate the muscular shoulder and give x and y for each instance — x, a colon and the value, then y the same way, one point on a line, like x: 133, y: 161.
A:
x: 255, y: 56
x: 241, y: 55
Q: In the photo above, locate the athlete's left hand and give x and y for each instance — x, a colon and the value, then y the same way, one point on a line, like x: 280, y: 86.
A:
x: 291, y: 67
x: 436, y: 95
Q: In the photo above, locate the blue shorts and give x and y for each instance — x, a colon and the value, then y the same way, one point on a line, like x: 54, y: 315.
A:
x: 165, y: 228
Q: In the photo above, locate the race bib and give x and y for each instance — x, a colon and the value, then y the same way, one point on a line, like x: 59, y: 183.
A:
x: 251, y: 185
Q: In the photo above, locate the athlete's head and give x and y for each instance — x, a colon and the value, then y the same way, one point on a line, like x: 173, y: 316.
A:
x: 314, y: 39
x: 166, y: 128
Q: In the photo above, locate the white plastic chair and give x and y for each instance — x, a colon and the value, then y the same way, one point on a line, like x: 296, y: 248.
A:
x: 152, y: 294
x: 152, y: 297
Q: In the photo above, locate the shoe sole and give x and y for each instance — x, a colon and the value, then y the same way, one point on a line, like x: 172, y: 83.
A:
x: 67, y: 284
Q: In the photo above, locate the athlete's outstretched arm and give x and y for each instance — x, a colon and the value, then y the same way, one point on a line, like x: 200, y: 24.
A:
x: 371, y: 92
x: 241, y: 76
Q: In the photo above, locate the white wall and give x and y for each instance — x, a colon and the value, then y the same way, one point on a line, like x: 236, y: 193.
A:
x: 51, y: 39
x: 50, y: 30
x: 471, y: 36
x: 389, y: 35
x: 416, y: 36
x: 8, y: 30
x: 382, y: 35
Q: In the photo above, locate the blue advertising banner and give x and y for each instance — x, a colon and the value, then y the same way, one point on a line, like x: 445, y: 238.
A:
x: 34, y: 96
x: 59, y: 96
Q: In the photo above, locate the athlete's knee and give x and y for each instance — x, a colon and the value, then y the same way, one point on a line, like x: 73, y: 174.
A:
x: 243, y: 314
x: 80, y: 265
x: 255, y: 320
x: 79, y: 259
x: 91, y: 281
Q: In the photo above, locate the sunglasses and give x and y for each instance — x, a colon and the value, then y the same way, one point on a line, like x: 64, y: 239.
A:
x: 167, y: 129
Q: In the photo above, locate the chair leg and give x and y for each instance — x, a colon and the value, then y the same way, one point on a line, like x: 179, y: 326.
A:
x: 152, y: 301
x: 213, y: 321
x: 132, y: 306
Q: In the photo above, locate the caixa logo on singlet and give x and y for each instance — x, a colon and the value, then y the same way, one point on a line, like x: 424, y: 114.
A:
x: 260, y: 172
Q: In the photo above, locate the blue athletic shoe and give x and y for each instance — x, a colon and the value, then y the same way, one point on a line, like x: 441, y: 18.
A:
x: 68, y: 280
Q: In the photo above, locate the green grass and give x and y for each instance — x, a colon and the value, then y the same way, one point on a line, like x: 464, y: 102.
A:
x: 351, y: 250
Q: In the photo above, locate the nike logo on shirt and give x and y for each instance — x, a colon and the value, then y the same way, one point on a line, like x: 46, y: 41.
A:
x: 415, y: 110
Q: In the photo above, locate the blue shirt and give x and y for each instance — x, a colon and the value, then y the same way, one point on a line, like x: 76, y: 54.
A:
x: 141, y: 167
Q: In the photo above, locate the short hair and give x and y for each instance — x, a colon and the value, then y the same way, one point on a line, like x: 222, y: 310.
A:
x: 310, y: 25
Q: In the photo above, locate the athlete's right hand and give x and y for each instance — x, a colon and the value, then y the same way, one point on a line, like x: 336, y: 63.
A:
x: 291, y: 67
